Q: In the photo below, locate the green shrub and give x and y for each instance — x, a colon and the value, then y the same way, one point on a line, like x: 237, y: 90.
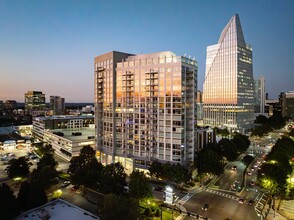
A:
x: 157, y: 213
x: 147, y: 212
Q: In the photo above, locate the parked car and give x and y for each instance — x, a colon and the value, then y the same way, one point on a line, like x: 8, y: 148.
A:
x: 65, y: 184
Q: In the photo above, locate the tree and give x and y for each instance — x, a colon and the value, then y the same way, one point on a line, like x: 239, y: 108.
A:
x: 37, y: 195
x: 273, y: 177
x: 227, y: 149
x: 209, y: 162
x: 45, y: 175
x: 261, y: 119
x: 9, y: 208
x: 223, y: 132
x: 179, y: 174
x: 156, y: 169
x: 113, y: 178
x: 85, y: 169
x: 122, y: 208
x: 18, y: 167
x: 277, y: 121
x: 139, y: 185
x: 47, y: 160
x: 247, y: 160
x: 241, y: 141
x: 46, y: 149
x: 22, y: 197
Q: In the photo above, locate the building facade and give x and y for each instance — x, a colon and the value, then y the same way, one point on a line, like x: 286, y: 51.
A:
x: 259, y: 95
x: 199, y: 104
x: 34, y: 101
x: 286, y: 101
x: 228, y: 90
x: 145, y: 108
x: 57, y: 105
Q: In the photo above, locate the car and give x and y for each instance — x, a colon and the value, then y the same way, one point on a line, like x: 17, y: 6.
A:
x: 75, y: 187
x: 54, y: 180
x: 205, y: 207
x: 252, y: 183
x: 158, y: 188
x: 251, y: 202
x: 249, y: 173
x: 65, y: 184
x: 241, y: 201
x: 234, y: 168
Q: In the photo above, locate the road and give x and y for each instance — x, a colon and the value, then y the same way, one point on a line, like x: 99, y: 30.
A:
x: 224, y: 193
x: 220, y: 206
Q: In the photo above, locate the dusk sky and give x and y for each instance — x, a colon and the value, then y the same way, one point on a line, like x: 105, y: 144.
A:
x: 50, y: 45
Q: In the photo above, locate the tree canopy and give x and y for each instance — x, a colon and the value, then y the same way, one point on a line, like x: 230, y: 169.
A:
x: 19, y: 167
x: 9, y: 208
x: 119, y: 207
x: 209, y: 162
x: 113, y: 179
x: 171, y: 172
x: 139, y: 185
x: 85, y: 169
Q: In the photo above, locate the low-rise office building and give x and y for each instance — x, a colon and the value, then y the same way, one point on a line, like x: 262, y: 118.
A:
x: 67, y: 134
x: 67, y: 143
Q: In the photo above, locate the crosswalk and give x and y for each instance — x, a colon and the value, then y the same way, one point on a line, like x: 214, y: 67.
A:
x: 222, y: 194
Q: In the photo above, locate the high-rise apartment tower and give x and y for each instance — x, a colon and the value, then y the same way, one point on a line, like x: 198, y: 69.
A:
x: 228, y: 90
x: 145, y: 108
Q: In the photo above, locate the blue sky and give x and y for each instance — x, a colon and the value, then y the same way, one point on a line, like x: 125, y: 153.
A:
x: 50, y: 45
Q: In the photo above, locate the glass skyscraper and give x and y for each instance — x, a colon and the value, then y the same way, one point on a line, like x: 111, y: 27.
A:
x: 259, y: 95
x: 228, y: 90
x: 145, y: 108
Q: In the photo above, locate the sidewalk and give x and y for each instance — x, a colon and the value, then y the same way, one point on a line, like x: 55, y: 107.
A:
x: 285, y: 212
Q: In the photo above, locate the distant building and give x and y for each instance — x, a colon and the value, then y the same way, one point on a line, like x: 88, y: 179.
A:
x: 58, y: 210
x: 259, y: 95
x: 286, y: 100
x: 34, y: 101
x: 10, y: 105
x: 145, y: 108
x: 10, y: 138
x: 205, y: 136
x: 57, y: 105
x: 271, y: 106
x: 228, y: 89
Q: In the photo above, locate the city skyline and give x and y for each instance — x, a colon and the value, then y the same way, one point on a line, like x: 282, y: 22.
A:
x: 49, y: 46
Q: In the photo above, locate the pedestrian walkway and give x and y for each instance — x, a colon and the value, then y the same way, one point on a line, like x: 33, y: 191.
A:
x: 220, y: 193
x: 286, y: 208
